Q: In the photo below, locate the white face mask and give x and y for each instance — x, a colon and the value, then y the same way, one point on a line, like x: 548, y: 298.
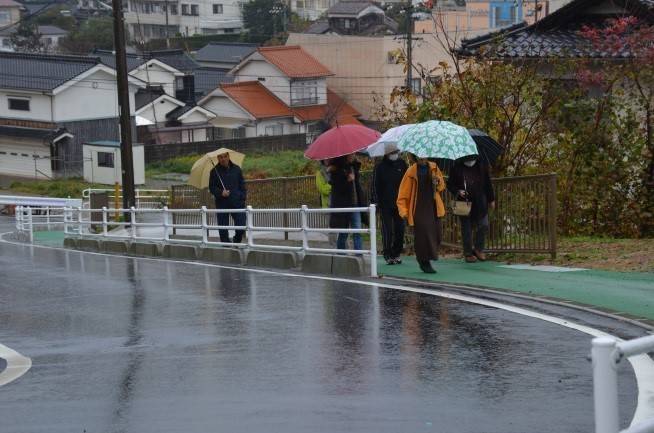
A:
x: 470, y: 163
x: 393, y: 156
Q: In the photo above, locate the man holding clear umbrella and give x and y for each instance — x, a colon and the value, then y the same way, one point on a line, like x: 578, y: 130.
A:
x: 227, y: 184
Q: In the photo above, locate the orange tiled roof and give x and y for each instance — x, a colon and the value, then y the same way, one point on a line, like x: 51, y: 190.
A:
x: 346, y: 113
x: 256, y: 99
x: 293, y: 61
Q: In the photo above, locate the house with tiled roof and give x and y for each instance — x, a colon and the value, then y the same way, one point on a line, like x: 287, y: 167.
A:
x: 55, y: 104
x: 355, y: 18
x: 224, y: 55
x: 557, y: 35
x: 277, y: 91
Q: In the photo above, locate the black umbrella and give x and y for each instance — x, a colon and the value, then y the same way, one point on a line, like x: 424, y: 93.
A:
x: 489, y: 149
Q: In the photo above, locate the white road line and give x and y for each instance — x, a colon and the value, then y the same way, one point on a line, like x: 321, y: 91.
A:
x: 17, y: 365
x: 642, y: 364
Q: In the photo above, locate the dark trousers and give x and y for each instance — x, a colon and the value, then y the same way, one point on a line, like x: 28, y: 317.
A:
x: 468, y: 225
x: 223, y: 220
x: 392, y: 232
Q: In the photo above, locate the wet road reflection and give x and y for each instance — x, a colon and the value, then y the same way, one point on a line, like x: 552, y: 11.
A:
x: 136, y: 345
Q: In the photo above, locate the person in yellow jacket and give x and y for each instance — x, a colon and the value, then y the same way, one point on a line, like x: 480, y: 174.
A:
x: 420, y: 203
x: 323, y: 176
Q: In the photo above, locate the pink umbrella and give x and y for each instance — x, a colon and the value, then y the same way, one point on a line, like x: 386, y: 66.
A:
x: 341, y: 140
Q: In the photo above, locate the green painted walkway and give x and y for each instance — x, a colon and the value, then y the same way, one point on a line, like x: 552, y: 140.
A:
x: 627, y: 294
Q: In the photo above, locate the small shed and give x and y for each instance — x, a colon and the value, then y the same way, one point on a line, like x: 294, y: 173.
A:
x: 102, y: 163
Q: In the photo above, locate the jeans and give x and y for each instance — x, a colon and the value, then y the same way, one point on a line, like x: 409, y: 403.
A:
x: 223, y: 220
x: 355, y: 223
x: 468, y: 224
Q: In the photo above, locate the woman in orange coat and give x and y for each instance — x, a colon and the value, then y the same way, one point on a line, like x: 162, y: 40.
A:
x: 420, y: 203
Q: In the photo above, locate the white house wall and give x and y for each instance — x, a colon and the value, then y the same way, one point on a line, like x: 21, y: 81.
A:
x: 40, y: 106
x: 259, y: 129
x: 157, y: 112
x: 274, y: 79
x: 93, y: 98
x: 157, y: 76
x: 224, y: 107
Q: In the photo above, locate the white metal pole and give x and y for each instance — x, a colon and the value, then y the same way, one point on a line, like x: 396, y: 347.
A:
x: 373, y: 240
x: 304, y: 224
x: 605, y: 384
x: 249, y: 222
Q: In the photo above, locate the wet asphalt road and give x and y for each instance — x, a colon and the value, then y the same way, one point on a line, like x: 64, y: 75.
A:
x: 122, y: 344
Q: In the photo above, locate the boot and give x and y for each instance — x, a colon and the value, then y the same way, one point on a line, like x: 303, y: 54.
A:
x: 426, y: 267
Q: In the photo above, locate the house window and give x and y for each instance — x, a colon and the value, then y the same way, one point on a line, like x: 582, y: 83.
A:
x: 5, y: 16
x: 186, y: 10
x: 238, y: 132
x: 304, y: 93
x: 22, y: 104
x: 217, y: 9
x: 174, y: 10
x: 275, y: 130
x: 195, y: 10
x: 105, y: 159
x: 416, y: 85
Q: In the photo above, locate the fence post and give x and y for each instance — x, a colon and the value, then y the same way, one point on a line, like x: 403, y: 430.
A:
x: 553, y: 216
x: 284, y: 206
x: 249, y: 222
x: 304, y: 224
x: 373, y: 240
x: 605, y: 385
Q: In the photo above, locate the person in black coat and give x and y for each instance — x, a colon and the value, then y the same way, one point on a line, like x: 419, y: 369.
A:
x: 469, y: 178
x: 386, y: 178
x: 227, y: 184
x: 346, y: 192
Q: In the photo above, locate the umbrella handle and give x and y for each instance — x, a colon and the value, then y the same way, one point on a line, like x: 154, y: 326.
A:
x: 217, y: 174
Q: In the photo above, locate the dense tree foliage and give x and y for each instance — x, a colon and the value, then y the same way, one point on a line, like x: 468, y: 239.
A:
x: 590, y: 122
x: 94, y: 33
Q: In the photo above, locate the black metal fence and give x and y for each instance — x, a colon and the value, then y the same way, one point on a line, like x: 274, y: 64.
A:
x: 524, y: 219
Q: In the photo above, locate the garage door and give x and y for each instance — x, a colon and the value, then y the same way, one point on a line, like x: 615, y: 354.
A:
x: 25, y: 160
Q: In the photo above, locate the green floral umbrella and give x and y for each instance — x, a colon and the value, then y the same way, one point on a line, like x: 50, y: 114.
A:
x: 437, y: 139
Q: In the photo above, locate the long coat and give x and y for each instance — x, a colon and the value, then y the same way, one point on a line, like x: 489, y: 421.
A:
x: 346, y: 194
x: 406, y: 197
x: 477, y: 183
x: 229, y: 178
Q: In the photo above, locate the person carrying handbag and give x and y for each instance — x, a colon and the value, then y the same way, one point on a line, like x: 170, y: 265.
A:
x: 469, y: 179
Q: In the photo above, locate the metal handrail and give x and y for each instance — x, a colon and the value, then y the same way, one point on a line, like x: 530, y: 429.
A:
x: 606, y: 354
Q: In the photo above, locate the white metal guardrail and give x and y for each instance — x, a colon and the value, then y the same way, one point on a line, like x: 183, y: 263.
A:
x: 157, y: 225
x: 606, y: 356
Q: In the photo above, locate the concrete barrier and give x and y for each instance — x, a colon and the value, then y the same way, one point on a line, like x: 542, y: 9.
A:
x: 272, y: 259
x: 229, y: 256
x: 317, y: 263
x: 182, y: 252
x: 89, y: 244
x: 70, y: 242
x: 116, y: 246
x: 350, y: 266
x: 145, y: 249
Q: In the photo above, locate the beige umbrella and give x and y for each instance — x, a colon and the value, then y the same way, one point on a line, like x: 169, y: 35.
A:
x: 199, y: 176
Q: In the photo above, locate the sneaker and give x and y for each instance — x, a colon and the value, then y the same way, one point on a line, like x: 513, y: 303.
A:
x: 426, y: 267
x: 471, y: 259
x: 390, y: 261
x: 481, y: 256
x: 398, y: 261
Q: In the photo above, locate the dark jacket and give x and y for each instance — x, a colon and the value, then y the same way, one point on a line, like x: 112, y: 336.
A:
x: 229, y: 178
x: 386, y: 178
x: 344, y: 193
x: 477, y: 184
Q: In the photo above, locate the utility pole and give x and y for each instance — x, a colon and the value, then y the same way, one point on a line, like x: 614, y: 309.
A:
x: 409, y: 47
x: 126, y: 157
x: 167, y: 31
